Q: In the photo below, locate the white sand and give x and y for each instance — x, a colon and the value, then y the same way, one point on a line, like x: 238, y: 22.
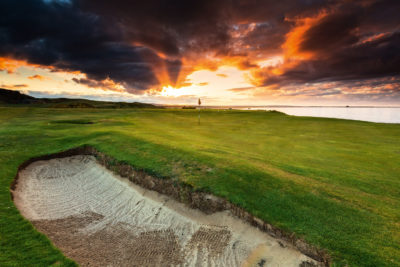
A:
x: 74, y: 186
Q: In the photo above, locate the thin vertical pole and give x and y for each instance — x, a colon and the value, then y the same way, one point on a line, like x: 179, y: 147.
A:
x: 199, y: 111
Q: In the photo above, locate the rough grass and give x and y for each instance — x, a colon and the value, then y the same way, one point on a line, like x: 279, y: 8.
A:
x: 335, y: 183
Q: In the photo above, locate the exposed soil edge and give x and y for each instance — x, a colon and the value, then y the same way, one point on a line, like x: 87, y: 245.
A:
x: 183, y: 193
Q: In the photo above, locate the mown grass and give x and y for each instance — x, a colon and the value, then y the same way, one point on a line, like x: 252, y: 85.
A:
x: 335, y: 183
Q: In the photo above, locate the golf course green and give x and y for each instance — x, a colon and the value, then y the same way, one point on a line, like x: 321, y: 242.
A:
x: 334, y: 183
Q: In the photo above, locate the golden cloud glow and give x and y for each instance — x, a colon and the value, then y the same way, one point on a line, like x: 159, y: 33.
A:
x: 206, y: 74
x: 294, y: 38
x: 11, y: 65
x: 252, y: 69
x: 38, y: 77
x: 209, y: 83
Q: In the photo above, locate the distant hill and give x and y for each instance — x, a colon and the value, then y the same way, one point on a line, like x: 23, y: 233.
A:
x: 15, y: 97
x: 10, y: 97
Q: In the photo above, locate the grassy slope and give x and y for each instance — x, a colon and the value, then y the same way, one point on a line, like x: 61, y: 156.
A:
x: 334, y: 182
x: 12, y: 98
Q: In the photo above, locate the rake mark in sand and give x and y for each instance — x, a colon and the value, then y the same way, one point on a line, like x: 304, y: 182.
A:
x: 97, y: 218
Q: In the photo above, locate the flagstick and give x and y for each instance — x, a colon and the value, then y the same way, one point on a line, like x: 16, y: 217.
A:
x: 199, y: 111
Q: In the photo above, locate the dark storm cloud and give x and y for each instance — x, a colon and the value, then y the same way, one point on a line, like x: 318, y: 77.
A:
x: 348, y: 24
x: 170, y: 26
x: 104, y: 84
x: 62, y: 36
x: 179, y: 27
x: 373, y: 59
x: 131, y: 42
x: 332, y: 32
x: 352, y: 42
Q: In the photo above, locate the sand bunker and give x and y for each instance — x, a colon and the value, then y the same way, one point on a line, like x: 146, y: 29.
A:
x: 97, y: 218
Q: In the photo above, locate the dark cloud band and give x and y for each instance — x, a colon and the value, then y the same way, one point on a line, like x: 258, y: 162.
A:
x: 129, y: 42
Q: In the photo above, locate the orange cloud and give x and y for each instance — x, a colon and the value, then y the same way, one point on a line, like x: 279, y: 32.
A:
x: 256, y: 73
x: 38, y: 77
x: 374, y: 37
x: 292, y: 54
x: 11, y: 65
x: 294, y: 38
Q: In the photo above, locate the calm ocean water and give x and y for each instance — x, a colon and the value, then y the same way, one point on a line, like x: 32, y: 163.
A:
x: 374, y: 114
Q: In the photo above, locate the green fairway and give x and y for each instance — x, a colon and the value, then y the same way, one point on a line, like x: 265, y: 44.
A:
x: 335, y: 183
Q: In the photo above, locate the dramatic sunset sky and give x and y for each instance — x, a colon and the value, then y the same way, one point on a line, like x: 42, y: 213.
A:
x: 228, y: 52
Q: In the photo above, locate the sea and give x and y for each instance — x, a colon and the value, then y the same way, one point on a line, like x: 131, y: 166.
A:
x: 372, y: 114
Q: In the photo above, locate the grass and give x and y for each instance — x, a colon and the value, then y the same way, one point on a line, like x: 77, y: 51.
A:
x: 336, y: 183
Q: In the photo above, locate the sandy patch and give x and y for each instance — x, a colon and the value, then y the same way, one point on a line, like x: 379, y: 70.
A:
x: 97, y: 218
